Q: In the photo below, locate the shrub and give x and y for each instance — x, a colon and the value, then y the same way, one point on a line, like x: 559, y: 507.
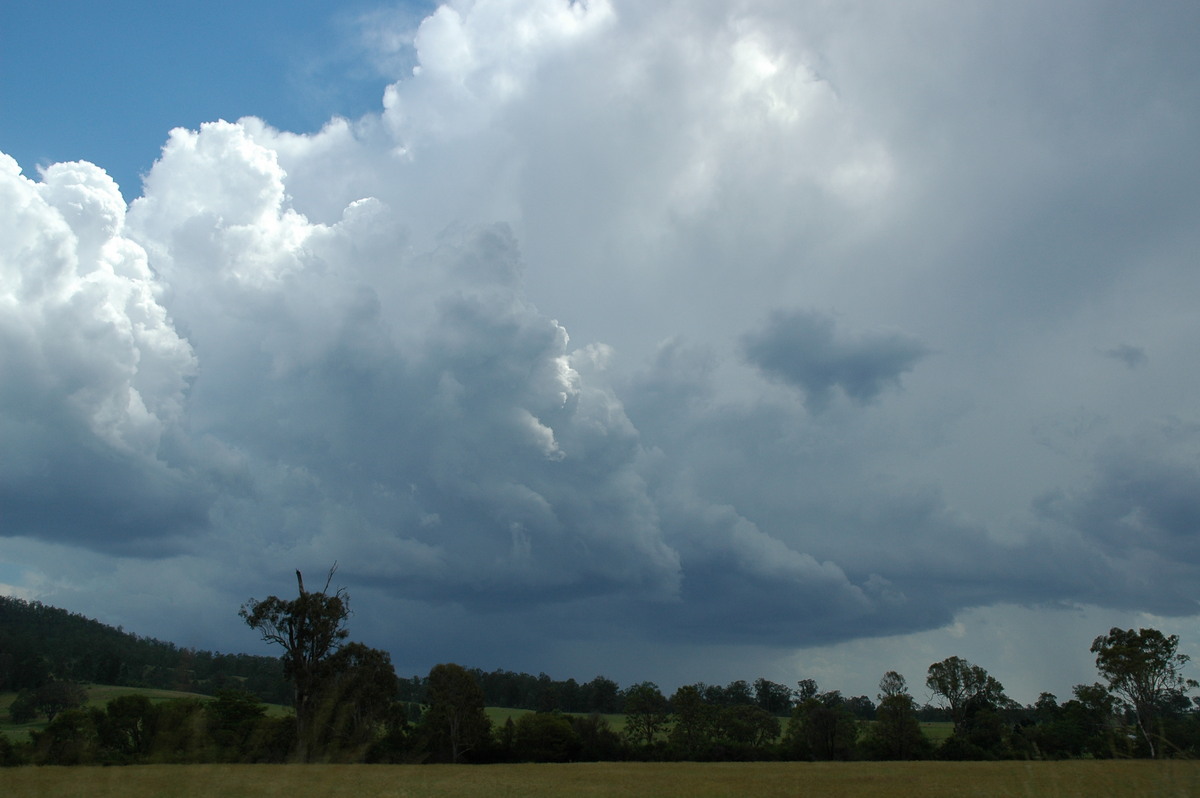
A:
x: 545, y: 737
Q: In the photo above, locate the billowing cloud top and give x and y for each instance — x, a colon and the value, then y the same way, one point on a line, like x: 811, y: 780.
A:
x: 95, y: 375
x: 850, y: 302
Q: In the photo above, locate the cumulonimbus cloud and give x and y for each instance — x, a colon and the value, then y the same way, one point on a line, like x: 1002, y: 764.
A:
x: 500, y: 348
x: 94, y: 372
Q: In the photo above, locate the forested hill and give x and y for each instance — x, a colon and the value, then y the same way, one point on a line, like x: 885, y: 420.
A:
x: 38, y: 642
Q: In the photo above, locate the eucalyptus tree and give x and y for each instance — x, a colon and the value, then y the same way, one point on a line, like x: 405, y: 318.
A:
x: 821, y: 728
x: 647, y: 713
x: 773, y: 697
x: 960, y: 683
x: 310, y: 629
x: 896, y: 733
x: 454, y: 723
x: 1144, y: 669
x: 693, y: 729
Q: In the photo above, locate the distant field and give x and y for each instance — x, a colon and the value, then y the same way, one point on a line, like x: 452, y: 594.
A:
x: 1107, y: 779
x: 499, y: 715
x: 937, y: 730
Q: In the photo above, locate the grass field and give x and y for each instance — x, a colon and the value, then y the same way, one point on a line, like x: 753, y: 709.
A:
x: 1076, y: 779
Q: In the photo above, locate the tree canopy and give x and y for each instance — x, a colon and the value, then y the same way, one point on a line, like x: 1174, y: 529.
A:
x: 959, y: 682
x: 454, y: 724
x: 1143, y: 668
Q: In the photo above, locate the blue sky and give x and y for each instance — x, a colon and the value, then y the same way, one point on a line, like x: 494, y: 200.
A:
x: 103, y: 82
x: 675, y: 341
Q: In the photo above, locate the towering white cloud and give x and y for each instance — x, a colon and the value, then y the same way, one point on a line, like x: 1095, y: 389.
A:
x: 95, y: 374
x: 82, y: 310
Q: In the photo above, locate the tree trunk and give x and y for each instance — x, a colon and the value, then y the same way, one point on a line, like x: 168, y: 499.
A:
x: 1145, y: 734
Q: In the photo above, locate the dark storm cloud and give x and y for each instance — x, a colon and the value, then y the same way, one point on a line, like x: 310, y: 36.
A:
x: 103, y: 502
x: 786, y: 531
x: 1139, y: 519
x: 806, y: 350
x: 1132, y: 356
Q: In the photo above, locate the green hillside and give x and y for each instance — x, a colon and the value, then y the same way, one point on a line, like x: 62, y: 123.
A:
x: 39, y: 642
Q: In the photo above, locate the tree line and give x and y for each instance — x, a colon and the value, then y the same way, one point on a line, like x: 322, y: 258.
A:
x: 349, y: 706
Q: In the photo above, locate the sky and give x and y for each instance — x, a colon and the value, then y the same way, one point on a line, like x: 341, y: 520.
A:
x: 674, y: 341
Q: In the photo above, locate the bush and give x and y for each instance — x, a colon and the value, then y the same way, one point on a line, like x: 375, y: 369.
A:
x: 182, y: 732
x: 70, y: 739
x: 958, y: 749
x: 127, y: 728
x: 233, y: 719
x: 597, y: 741
x: 272, y: 740
x: 545, y: 737
x: 23, y: 708
x: 11, y: 755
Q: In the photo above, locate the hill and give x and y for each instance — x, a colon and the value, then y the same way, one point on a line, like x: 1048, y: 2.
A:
x: 39, y: 642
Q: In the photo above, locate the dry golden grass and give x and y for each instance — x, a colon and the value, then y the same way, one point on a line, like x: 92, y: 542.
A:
x: 899, y: 780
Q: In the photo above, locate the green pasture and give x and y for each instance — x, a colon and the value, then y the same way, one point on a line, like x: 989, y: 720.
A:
x: 499, y: 715
x: 1073, y: 779
x: 937, y: 731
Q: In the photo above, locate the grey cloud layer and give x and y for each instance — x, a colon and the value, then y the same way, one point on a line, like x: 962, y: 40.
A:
x: 354, y: 344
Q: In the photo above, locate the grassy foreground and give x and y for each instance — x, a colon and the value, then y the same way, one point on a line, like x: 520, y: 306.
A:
x: 1076, y: 779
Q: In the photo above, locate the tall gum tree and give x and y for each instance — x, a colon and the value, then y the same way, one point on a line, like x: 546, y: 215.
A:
x: 1144, y: 669
x: 310, y: 628
x: 454, y: 723
x: 957, y: 681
